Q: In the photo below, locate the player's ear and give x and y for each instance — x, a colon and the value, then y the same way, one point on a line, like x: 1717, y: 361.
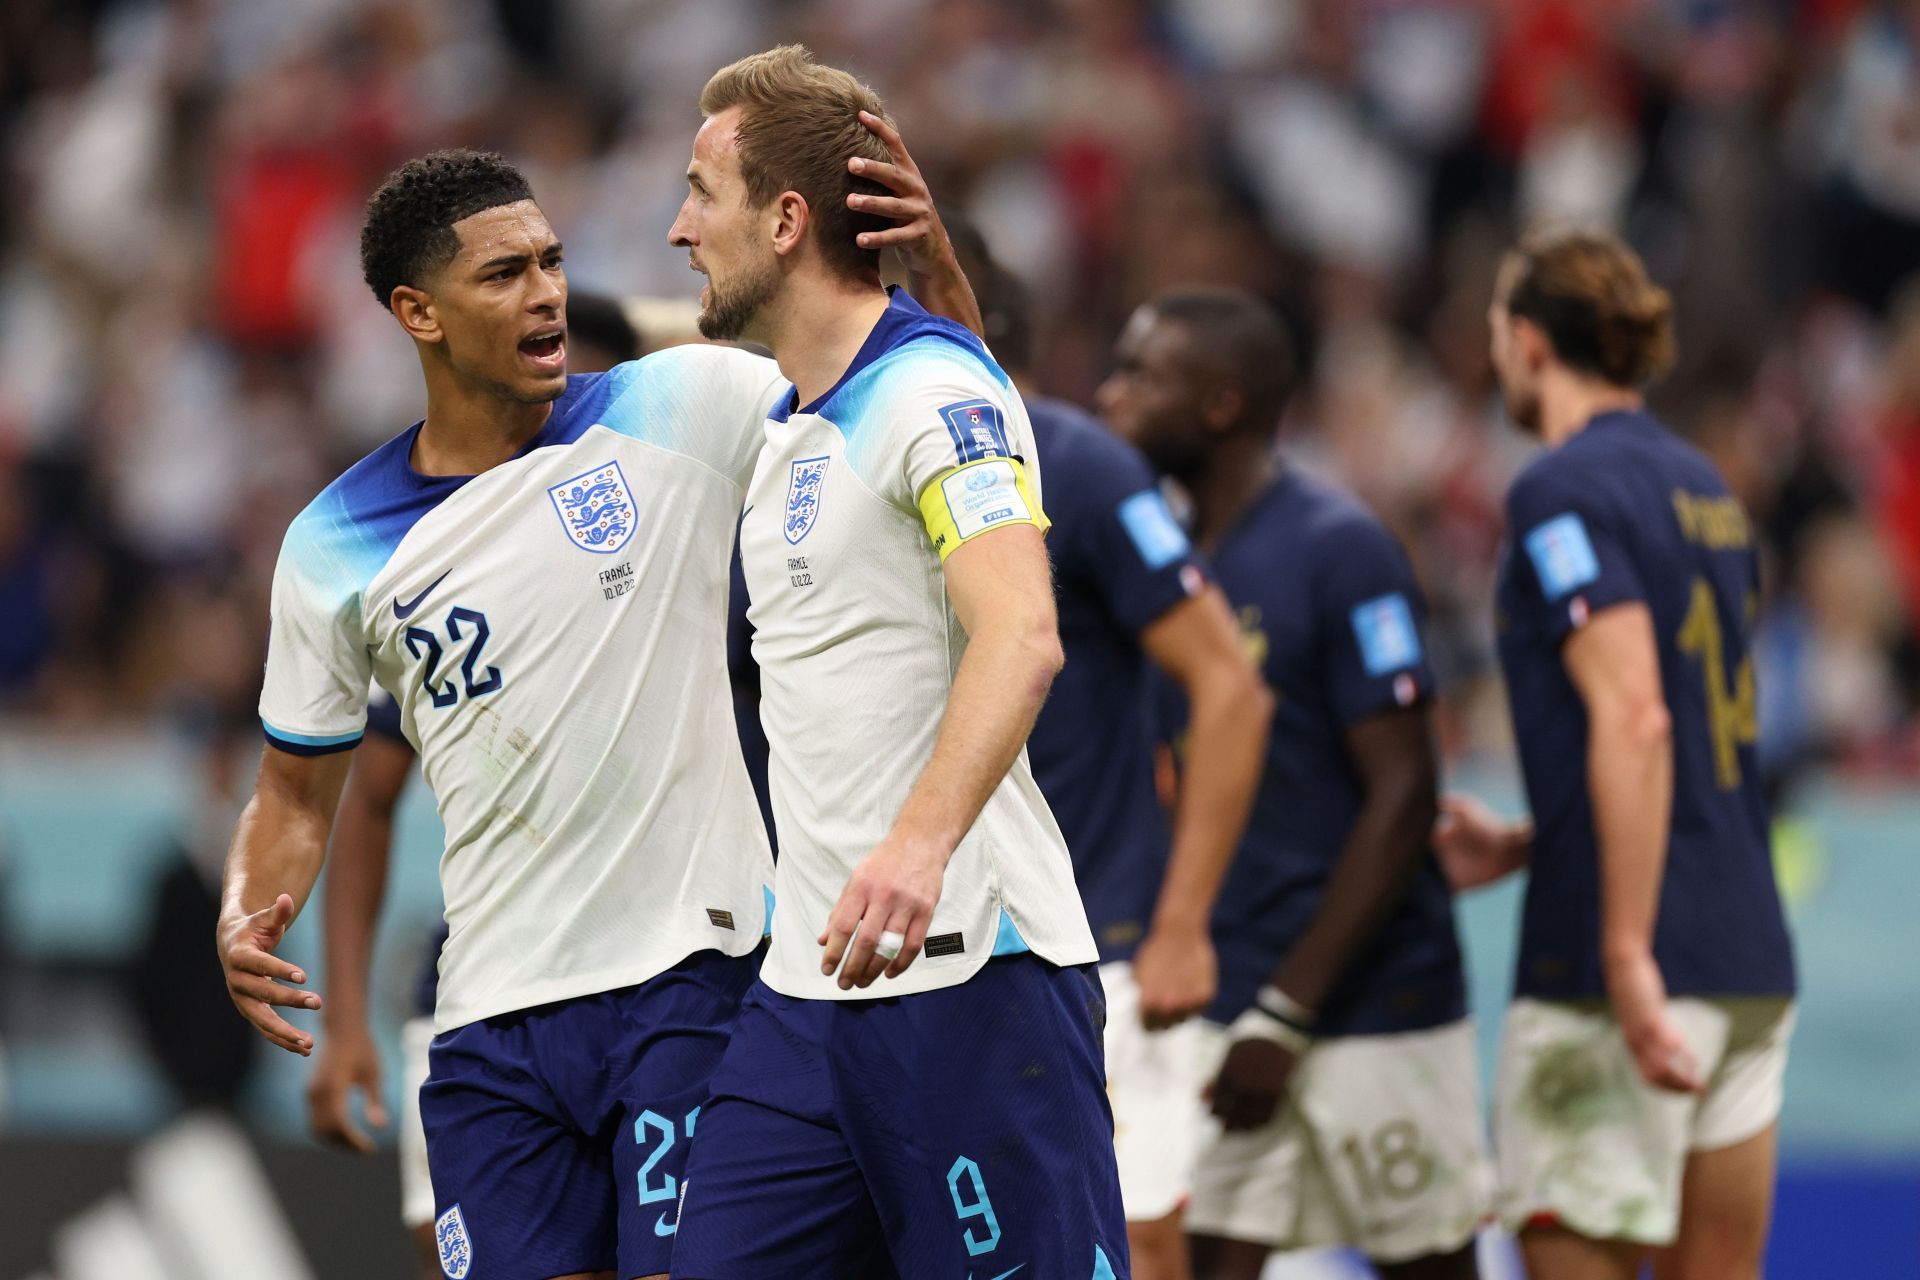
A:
x: 1222, y: 407
x: 788, y: 217
x: 416, y: 312
x: 1535, y: 349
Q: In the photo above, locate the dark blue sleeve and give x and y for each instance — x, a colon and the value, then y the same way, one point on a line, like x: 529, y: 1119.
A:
x: 383, y: 718
x: 1124, y: 539
x: 1372, y: 622
x: 1573, y: 547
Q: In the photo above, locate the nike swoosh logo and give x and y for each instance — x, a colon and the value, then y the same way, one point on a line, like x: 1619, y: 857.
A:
x: 405, y: 611
x: 661, y: 1227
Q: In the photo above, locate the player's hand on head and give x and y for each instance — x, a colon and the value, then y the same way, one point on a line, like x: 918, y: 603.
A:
x: 917, y: 233
x: 1660, y: 1052
x: 1252, y: 1082
x: 348, y: 1060
x: 256, y: 977
x: 890, y: 895
x: 1177, y: 973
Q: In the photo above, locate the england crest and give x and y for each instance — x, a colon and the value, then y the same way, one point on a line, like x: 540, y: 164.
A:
x: 804, y: 483
x: 596, y: 508
x: 456, y: 1251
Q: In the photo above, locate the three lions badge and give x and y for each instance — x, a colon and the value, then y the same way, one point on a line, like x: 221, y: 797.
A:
x: 596, y: 508
x: 456, y: 1251
x: 804, y: 483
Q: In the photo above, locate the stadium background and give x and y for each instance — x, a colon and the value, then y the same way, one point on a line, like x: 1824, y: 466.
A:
x: 187, y: 353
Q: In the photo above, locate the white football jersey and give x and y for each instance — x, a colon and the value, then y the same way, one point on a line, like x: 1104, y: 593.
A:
x: 554, y: 630
x: 855, y: 502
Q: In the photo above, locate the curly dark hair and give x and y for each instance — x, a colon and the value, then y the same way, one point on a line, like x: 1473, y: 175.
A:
x: 409, y: 226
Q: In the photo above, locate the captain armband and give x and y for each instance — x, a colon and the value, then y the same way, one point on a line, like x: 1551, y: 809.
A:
x: 966, y: 501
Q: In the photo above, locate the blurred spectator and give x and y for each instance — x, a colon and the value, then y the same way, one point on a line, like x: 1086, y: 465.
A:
x: 190, y: 354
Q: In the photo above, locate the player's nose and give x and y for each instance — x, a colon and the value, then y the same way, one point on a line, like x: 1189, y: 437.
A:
x: 548, y: 293
x: 680, y: 234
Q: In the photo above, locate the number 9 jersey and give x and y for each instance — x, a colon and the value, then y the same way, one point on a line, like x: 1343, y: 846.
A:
x: 1626, y: 512
x: 554, y: 630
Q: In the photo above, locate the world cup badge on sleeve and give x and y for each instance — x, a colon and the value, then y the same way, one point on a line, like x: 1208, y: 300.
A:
x: 456, y: 1251
x: 804, y: 483
x: 596, y: 508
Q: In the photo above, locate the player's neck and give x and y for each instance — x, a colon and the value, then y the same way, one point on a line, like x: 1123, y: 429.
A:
x: 470, y: 430
x: 1234, y: 477
x: 1569, y: 402
x: 819, y: 329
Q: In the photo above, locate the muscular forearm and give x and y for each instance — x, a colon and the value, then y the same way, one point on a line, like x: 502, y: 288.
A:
x: 1382, y: 854
x: 277, y: 849
x: 997, y: 691
x: 280, y: 842
x: 1630, y: 774
x: 1227, y: 725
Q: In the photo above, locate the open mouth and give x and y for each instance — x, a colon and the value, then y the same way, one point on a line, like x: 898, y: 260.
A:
x: 546, y: 348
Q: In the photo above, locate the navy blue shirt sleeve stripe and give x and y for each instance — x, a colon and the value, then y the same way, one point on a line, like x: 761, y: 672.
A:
x: 310, y: 748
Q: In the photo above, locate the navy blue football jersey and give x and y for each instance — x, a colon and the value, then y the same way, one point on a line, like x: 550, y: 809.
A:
x: 1120, y: 562
x: 1626, y: 512
x: 1332, y: 615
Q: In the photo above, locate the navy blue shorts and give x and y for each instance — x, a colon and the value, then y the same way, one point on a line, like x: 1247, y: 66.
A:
x: 557, y: 1136
x: 957, y: 1133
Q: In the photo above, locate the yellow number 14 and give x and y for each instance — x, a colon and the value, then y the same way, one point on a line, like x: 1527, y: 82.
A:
x: 1731, y: 717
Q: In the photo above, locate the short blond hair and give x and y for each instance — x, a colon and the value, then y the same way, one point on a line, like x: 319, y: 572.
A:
x: 799, y: 127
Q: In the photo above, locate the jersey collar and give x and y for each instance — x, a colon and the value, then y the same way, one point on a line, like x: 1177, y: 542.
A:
x: 903, y: 319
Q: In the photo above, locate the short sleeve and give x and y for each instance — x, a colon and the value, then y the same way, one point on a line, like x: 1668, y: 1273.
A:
x: 1575, y: 555
x: 710, y: 403
x: 1126, y: 541
x: 319, y: 668
x: 1372, y: 623
x: 940, y: 436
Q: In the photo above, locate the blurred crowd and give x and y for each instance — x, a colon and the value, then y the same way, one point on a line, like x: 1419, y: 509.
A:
x: 187, y: 351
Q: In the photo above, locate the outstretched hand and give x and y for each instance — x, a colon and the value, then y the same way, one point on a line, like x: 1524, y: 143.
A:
x: 255, y: 975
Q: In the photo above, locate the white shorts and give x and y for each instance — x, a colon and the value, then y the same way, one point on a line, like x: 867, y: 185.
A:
x: 1154, y: 1080
x: 416, y: 1184
x: 1585, y: 1144
x: 1379, y: 1145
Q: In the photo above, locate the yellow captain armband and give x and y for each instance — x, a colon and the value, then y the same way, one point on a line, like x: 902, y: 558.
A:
x: 970, y: 499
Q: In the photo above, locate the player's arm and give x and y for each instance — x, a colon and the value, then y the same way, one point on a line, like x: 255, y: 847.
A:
x: 278, y: 848
x: 1614, y: 663
x: 1001, y: 588
x: 1392, y: 752
x: 356, y: 888
x: 934, y: 277
x: 1197, y: 644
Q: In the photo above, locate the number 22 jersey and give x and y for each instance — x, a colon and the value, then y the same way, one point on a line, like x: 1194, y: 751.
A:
x: 554, y: 630
x: 1625, y: 512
